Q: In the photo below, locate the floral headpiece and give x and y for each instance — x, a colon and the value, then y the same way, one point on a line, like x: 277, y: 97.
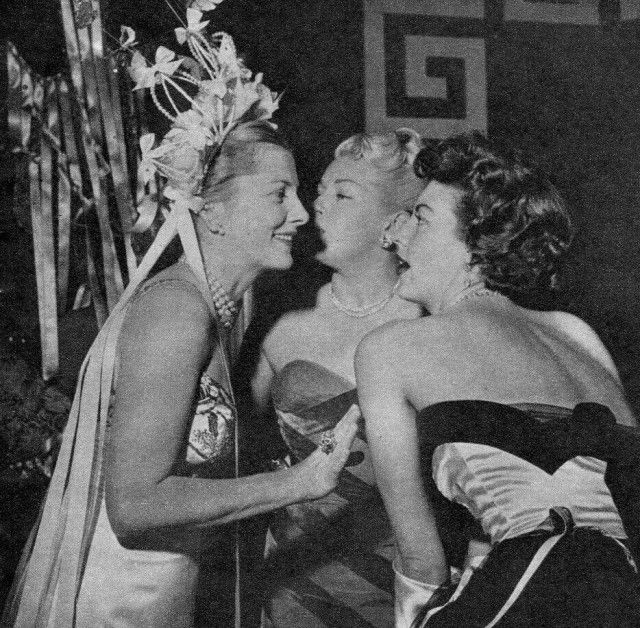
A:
x: 204, y: 96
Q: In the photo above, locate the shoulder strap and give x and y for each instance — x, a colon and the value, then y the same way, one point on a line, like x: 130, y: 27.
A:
x: 47, y: 584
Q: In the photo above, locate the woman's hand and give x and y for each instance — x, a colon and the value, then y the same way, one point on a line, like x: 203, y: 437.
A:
x: 319, y: 472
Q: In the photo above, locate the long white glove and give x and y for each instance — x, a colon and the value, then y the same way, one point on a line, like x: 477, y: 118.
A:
x: 410, y: 597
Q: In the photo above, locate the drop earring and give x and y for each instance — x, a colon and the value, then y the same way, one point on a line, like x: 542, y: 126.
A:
x: 214, y: 226
x: 470, y: 276
x: 217, y: 228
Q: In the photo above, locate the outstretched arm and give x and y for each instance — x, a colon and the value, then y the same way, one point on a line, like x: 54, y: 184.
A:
x: 164, y: 346
x: 392, y: 436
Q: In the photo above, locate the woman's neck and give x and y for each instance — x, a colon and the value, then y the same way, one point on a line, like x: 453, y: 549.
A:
x: 362, y: 285
x: 235, y: 279
x: 467, y: 295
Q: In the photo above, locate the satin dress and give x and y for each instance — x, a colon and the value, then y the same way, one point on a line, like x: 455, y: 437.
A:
x: 548, y: 486
x: 146, y: 588
x: 328, y: 561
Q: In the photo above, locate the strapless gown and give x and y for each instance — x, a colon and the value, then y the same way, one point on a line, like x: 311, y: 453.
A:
x: 551, y: 487
x: 329, y: 561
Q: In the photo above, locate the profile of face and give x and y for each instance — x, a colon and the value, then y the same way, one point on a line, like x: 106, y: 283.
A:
x: 427, y: 241
x: 350, y: 211
x: 263, y: 211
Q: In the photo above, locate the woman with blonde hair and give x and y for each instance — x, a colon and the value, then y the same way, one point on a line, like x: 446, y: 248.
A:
x: 306, y: 370
x: 147, y: 475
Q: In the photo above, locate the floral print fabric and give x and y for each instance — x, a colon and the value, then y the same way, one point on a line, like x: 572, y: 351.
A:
x: 212, y: 433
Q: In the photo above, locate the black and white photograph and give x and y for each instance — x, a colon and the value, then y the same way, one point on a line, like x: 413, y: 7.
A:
x: 320, y: 314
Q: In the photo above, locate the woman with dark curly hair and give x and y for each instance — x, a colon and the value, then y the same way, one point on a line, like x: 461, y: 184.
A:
x: 497, y: 409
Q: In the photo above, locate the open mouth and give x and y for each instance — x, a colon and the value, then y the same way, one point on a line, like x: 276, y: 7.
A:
x: 402, y: 266
x: 284, y: 237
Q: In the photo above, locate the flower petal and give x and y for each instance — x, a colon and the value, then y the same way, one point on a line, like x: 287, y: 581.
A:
x: 181, y: 34
x: 147, y: 209
x: 167, y: 68
x: 146, y: 142
x: 140, y: 72
x: 206, y: 5
x: 193, y: 20
x: 163, y: 55
x: 127, y: 37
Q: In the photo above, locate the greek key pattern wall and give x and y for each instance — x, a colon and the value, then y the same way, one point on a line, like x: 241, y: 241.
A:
x: 426, y: 60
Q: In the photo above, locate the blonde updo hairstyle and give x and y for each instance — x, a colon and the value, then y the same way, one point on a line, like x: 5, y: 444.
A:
x: 239, y: 155
x: 392, y: 155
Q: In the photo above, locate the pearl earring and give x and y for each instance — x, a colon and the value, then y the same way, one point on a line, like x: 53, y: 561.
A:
x: 217, y: 228
x: 471, y: 277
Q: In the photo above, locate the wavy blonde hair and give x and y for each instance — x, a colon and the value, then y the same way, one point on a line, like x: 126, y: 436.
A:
x: 392, y: 155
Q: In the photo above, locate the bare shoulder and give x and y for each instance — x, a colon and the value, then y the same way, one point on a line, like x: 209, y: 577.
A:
x: 391, y: 342
x: 584, y: 335
x: 403, y: 333
x: 572, y: 324
x: 168, y: 312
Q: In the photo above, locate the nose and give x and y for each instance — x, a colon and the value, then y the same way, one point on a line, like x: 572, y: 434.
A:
x: 397, y: 232
x: 317, y: 204
x: 297, y: 213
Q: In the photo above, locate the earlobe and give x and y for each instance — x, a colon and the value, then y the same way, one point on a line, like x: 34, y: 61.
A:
x: 213, y: 216
x: 471, y: 273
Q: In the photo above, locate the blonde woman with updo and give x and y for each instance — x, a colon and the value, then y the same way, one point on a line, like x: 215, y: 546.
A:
x: 306, y: 371
x: 147, y: 475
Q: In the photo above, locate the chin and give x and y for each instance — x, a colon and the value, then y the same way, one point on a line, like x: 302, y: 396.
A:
x: 337, y: 258
x: 324, y: 255
x: 278, y: 262
x: 328, y: 260
x: 406, y: 291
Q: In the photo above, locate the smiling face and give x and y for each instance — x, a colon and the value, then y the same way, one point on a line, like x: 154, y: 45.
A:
x: 436, y: 260
x: 350, y: 211
x: 263, y: 211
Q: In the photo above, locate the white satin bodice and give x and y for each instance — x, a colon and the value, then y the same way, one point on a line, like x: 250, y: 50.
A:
x: 510, y: 496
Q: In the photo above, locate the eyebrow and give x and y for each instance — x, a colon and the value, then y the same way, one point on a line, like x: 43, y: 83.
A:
x: 423, y: 206
x: 338, y: 182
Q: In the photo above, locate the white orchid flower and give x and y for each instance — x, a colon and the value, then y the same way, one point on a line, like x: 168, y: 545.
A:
x: 189, y: 127
x: 227, y: 56
x: 227, y: 53
x: 180, y: 199
x: 147, y: 208
x: 246, y: 94
x: 149, y: 163
x: 127, y: 37
x: 269, y: 101
x: 139, y: 71
x: 216, y: 87
x: 146, y: 76
x: 166, y: 62
x: 194, y: 26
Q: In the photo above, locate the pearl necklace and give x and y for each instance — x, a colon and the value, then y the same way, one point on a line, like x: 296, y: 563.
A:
x: 226, y: 309
x: 472, y: 292
x: 357, y: 312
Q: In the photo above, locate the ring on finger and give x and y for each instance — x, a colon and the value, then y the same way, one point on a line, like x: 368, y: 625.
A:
x: 328, y: 442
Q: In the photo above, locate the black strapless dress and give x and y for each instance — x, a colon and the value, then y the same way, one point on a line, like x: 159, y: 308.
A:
x: 584, y: 576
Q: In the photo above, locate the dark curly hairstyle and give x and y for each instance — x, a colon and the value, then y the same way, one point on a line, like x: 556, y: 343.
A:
x: 512, y: 219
